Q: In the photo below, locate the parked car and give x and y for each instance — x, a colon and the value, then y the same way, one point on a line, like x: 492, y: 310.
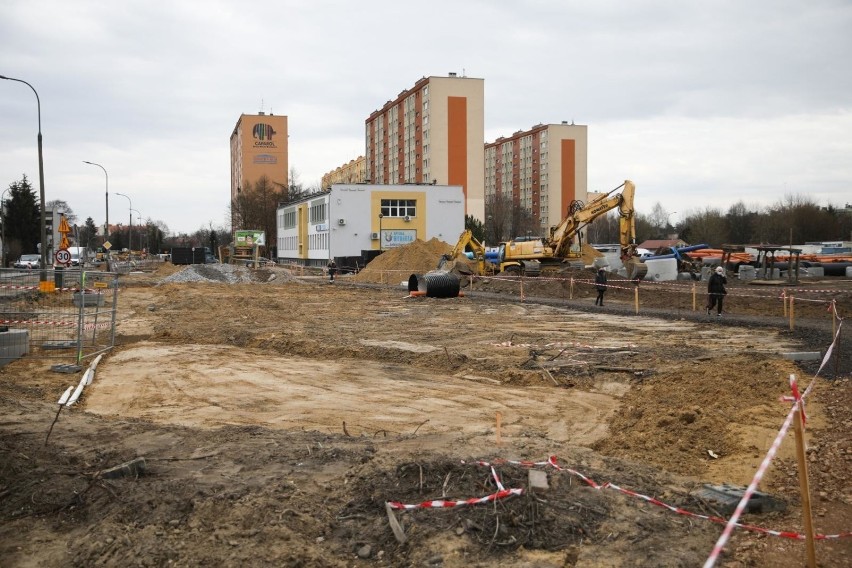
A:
x: 28, y: 261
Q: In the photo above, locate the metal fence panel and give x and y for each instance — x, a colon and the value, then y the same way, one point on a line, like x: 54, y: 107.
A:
x: 58, y: 314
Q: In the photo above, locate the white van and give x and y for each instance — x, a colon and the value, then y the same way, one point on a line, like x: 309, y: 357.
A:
x: 78, y: 255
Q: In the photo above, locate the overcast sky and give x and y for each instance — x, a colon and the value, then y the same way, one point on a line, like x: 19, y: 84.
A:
x: 700, y: 104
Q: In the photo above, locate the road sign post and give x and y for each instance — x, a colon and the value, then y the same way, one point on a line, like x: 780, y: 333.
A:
x: 63, y: 256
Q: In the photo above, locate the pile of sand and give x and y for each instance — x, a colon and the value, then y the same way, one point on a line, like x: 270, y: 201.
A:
x: 589, y: 253
x: 397, y: 264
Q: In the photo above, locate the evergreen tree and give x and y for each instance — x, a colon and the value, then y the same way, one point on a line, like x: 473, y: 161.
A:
x: 475, y: 226
x: 87, y: 234
x: 22, y: 218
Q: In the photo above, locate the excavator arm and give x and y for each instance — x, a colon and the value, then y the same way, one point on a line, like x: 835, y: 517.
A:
x: 563, y: 236
x: 466, y: 239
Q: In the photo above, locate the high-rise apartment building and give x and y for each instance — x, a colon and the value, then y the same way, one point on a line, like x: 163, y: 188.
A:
x: 353, y: 172
x: 258, y: 148
x: 432, y: 133
x: 542, y: 170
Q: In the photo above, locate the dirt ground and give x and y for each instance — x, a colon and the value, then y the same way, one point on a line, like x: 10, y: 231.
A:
x: 278, y: 414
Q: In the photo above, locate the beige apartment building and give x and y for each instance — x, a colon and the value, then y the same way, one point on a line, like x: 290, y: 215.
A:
x: 542, y: 169
x: 259, y: 148
x: 432, y: 133
x: 353, y: 172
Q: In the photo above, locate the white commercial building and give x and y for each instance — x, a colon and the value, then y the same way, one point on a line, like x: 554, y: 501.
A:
x: 351, y: 223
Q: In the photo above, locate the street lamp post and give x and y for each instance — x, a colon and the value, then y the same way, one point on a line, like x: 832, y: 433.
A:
x: 139, y: 216
x: 3, y: 228
x: 130, y: 226
x: 106, y: 220
x: 667, y: 220
x: 380, y: 231
x: 40, y: 178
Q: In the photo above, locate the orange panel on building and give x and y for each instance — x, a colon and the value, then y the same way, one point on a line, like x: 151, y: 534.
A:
x: 568, y: 183
x: 258, y: 149
x: 457, y: 142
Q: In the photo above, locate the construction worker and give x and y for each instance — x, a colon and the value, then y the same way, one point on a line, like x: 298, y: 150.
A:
x: 716, y: 291
x: 600, y: 286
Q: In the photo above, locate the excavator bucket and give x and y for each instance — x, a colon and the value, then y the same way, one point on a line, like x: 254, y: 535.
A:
x: 636, y: 270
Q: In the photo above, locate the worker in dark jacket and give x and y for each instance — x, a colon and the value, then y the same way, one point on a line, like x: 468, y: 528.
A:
x: 600, y: 286
x: 716, y: 291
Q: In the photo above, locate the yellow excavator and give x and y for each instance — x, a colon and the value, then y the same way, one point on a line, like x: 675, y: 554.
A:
x: 532, y: 256
x: 467, y: 239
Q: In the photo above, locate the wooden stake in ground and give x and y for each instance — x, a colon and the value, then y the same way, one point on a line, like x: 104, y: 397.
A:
x: 497, y: 430
x: 571, y: 289
x: 784, y: 302
x: 792, y: 314
x: 636, y: 298
x: 837, y: 352
x: 694, y: 298
x: 799, y: 429
x: 831, y: 310
x: 394, y: 525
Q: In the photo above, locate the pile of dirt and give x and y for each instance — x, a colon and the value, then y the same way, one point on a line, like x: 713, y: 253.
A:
x: 398, y: 263
x: 276, y: 422
x: 589, y: 253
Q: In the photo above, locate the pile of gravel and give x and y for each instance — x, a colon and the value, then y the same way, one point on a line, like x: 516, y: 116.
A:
x: 226, y: 273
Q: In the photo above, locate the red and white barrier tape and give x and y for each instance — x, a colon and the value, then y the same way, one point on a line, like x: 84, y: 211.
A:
x: 726, y: 534
x: 40, y: 322
x: 551, y: 461
x: 501, y: 493
x: 752, y: 487
x: 13, y: 287
x: 56, y: 323
x: 687, y: 289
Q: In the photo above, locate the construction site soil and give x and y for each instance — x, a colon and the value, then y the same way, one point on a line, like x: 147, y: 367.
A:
x: 278, y: 414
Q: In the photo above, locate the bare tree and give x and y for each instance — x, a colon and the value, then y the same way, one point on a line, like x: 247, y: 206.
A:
x: 498, y: 218
x: 659, y: 219
x: 61, y: 206
x: 604, y: 229
x: 255, y: 207
x: 706, y: 226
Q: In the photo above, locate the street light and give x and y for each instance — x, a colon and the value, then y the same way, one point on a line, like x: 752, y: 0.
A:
x: 40, y: 179
x: 668, y: 224
x: 3, y: 228
x: 106, y: 220
x: 130, y: 226
x: 139, y: 216
x: 380, y: 231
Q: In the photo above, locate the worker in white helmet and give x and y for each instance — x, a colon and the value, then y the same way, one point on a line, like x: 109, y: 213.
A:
x: 716, y: 291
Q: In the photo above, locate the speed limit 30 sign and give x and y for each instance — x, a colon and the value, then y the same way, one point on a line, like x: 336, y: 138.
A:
x: 62, y: 256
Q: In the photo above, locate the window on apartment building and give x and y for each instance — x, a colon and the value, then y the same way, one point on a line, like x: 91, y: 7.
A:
x: 399, y: 207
